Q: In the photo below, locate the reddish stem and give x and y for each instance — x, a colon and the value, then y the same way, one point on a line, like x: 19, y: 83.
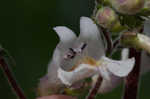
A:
x: 95, y: 89
x: 108, y: 39
x: 132, y: 80
x: 4, y: 66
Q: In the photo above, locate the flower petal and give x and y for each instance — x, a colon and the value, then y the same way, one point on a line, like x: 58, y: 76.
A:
x: 88, y: 28
x: 67, y: 38
x: 53, y: 81
x: 47, y: 87
x: 104, y: 72
x: 124, y: 54
x: 119, y: 68
x: 81, y: 72
x: 64, y: 33
x: 90, y: 34
x: 54, y: 64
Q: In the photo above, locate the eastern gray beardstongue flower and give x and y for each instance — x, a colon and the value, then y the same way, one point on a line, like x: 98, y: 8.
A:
x: 76, y: 58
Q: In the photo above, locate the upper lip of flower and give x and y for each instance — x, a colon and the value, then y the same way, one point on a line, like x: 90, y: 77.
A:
x: 91, y: 43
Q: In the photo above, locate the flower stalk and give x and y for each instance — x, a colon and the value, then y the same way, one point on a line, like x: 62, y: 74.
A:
x: 108, y: 39
x: 95, y: 89
x: 132, y: 80
x: 11, y: 79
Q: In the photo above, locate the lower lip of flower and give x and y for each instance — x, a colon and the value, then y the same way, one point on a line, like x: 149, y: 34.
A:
x: 86, y: 60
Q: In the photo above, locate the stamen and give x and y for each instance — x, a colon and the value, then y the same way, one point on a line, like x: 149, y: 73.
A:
x: 74, y: 51
x: 70, y: 54
x: 82, y: 47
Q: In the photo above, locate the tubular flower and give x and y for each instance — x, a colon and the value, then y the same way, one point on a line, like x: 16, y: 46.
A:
x: 76, y: 58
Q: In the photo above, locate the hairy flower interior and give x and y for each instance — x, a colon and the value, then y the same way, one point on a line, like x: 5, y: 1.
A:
x: 86, y: 60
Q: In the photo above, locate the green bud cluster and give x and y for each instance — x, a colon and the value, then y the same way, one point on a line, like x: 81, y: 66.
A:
x: 119, y: 15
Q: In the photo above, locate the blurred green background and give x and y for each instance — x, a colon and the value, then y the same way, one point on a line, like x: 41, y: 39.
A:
x: 26, y: 32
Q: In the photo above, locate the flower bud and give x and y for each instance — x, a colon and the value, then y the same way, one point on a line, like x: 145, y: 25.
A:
x: 136, y: 40
x: 106, y: 17
x: 129, y: 7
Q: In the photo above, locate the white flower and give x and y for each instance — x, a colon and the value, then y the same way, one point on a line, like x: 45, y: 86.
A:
x: 76, y: 58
